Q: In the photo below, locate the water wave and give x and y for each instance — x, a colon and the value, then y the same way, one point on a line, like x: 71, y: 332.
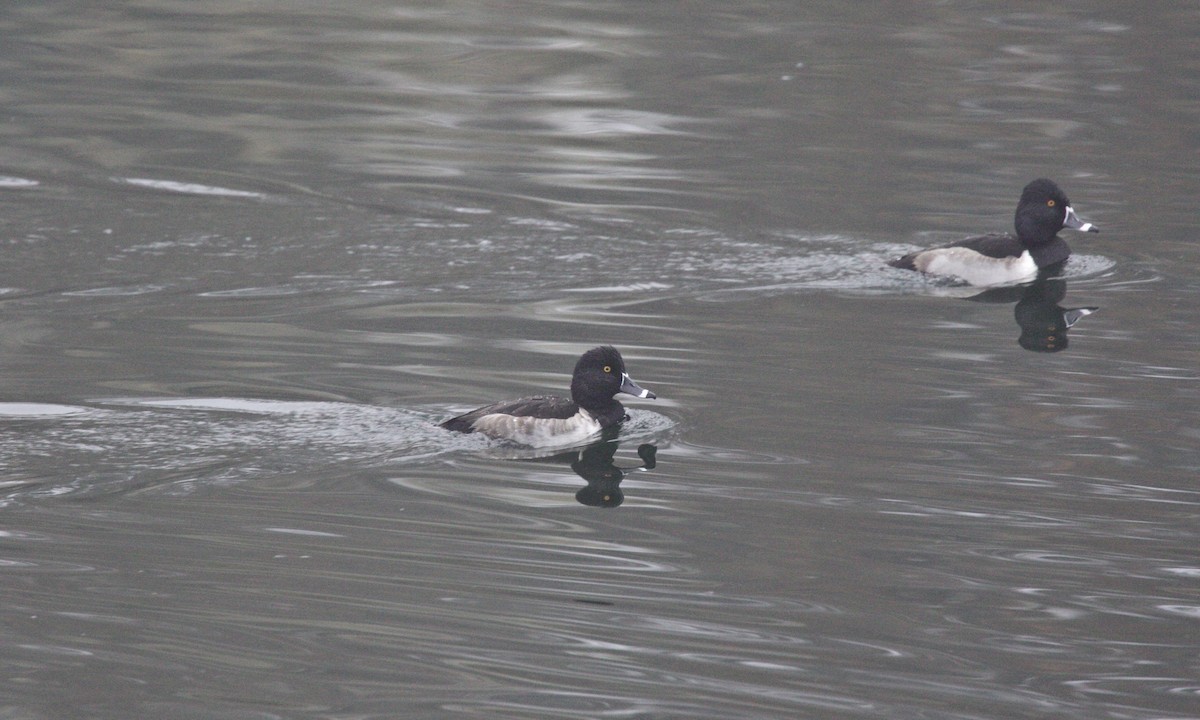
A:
x: 179, y: 444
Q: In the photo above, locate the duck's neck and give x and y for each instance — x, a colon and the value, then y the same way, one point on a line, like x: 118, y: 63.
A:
x: 1033, y: 233
x: 607, y: 413
x: 1049, y: 253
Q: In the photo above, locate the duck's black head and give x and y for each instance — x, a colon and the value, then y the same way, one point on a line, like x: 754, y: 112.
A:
x: 1044, y: 210
x: 599, y: 375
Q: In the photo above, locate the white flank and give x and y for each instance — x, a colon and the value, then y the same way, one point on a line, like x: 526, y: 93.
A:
x: 975, y: 268
x: 539, y: 432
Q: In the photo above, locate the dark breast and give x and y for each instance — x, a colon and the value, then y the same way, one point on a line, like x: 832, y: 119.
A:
x: 610, y: 414
x: 1051, y: 253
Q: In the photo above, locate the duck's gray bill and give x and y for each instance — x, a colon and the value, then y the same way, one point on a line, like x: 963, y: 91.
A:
x: 629, y: 386
x: 1072, y: 221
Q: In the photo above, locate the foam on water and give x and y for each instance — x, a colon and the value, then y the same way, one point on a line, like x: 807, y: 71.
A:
x: 121, y: 443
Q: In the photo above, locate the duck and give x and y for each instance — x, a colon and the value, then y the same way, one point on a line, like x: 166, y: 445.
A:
x: 548, y: 420
x: 1002, y: 258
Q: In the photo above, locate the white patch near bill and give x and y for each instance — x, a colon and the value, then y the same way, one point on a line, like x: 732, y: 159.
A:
x: 976, y: 268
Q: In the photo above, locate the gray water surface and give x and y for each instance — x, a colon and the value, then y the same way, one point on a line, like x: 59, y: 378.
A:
x: 254, y: 253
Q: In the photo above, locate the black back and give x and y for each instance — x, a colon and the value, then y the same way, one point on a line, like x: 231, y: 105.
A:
x: 545, y: 406
x: 993, y: 245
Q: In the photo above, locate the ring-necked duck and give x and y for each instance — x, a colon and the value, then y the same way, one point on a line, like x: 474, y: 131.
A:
x: 546, y: 420
x: 1001, y: 258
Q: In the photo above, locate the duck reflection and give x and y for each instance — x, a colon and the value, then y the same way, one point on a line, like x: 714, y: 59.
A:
x: 597, y: 466
x: 1043, y: 321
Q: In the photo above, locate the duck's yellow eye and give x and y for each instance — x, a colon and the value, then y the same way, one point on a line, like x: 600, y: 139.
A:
x: 608, y: 368
x: 1049, y: 203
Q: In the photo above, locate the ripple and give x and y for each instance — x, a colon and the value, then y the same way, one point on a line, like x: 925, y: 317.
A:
x: 117, y: 291
x: 1082, y: 265
x: 1047, y: 557
x: 121, y: 444
x: 300, y: 531
x: 8, y: 182
x: 1135, y: 684
x: 38, y: 410
x: 1188, y: 611
x: 232, y: 404
x: 56, y: 650
x: 638, y: 287
x: 186, y: 188
x: 277, y: 291
x: 1028, y: 645
x: 731, y: 455
x: 50, y: 567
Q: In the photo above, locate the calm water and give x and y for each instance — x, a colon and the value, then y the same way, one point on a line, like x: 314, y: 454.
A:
x: 253, y: 252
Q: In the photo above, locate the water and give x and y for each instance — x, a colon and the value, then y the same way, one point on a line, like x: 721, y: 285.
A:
x: 253, y: 254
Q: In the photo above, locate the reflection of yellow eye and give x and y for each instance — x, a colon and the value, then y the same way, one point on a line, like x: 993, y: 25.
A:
x: 608, y: 368
x: 1049, y: 203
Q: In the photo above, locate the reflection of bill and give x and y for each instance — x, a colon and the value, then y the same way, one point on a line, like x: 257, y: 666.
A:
x: 1044, y: 327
